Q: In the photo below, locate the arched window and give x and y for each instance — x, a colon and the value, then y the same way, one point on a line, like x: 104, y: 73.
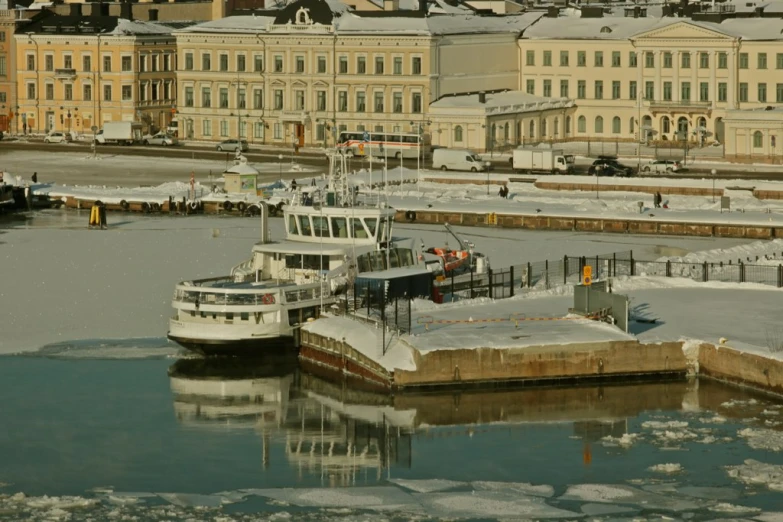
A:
x: 519, y: 132
x: 556, y: 127
x: 666, y: 125
x: 616, y: 125
x: 568, y: 125
x: 581, y: 124
x: 532, y: 133
x: 631, y: 125
x: 543, y: 129
x: 505, y: 132
x: 599, y: 125
x: 758, y: 140
x: 458, y: 133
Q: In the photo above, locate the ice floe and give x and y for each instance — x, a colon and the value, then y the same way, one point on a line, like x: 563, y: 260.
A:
x: 769, y: 440
x: 666, y: 468
x: 755, y: 473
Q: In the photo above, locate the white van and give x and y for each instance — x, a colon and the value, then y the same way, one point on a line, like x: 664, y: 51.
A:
x: 458, y: 159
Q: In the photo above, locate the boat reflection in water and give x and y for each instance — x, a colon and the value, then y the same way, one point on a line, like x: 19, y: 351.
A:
x: 348, y: 436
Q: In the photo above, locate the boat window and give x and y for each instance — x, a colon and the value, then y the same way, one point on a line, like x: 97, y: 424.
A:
x: 394, y: 258
x: 304, y: 225
x: 358, y: 230
x: 406, y: 256
x: 321, y: 226
x: 364, y: 263
x: 378, y: 261
x: 372, y: 225
x: 307, y: 262
x: 292, y: 225
x: 244, y: 316
x: 339, y: 227
x: 382, y: 231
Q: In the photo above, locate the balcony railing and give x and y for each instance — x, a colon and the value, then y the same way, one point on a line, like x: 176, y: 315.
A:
x: 65, y: 74
x: 666, y: 105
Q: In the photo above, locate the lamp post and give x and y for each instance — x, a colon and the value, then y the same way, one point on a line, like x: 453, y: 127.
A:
x: 713, y: 172
x: 280, y: 164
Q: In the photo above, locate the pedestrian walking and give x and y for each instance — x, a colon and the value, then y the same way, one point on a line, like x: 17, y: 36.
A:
x: 293, y: 185
x: 657, y: 200
x: 35, y: 177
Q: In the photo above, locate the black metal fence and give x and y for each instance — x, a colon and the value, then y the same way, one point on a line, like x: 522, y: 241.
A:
x: 372, y: 303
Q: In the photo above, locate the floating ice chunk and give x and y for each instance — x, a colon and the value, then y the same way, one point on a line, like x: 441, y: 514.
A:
x: 625, y: 441
x: 763, y: 439
x: 660, y: 425
x: 769, y: 517
x: 595, y: 510
x: 378, y: 497
x: 666, y: 468
x: 709, y: 493
x: 627, y: 495
x: 725, y: 507
x: 489, y: 504
x: 541, y: 490
x: 47, y: 502
x: 717, y: 419
x: 753, y: 472
x: 598, y: 493
x: 191, y: 499
x: 428, y: 486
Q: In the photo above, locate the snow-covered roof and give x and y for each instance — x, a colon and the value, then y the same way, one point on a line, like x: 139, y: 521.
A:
x: 748, y: 28
x: 234, y: 24
x: 518, y: 101
x: 128, y: 27
x: 241, y: 168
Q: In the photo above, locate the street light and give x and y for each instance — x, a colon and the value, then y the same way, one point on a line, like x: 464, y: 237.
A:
x: 280, y: 164
x: 713, y: 172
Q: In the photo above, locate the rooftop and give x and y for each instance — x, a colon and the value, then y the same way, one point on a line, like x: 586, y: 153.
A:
x: 518, y: 100
x: 48, y: 22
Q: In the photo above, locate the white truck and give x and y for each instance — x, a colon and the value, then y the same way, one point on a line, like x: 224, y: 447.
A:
x: 458, y: 159
x: 120, y: 132
x: 549, y: 161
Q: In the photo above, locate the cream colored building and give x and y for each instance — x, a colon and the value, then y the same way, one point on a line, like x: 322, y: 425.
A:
x: 677, y: 78
x: 76, y: 72
x: 315, y: 69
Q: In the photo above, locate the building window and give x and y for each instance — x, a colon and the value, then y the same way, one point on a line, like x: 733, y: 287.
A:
x: 548, y: 88
x: 704, y: 91
x: 685, y: 61
x: 397, y: 102
x: 126, y: 62
x: 598, y: 59
x: 300, y: 64
x: 49, y: 62
x: 224, y: 128
x: 361, y: 102
x: 167, y: 62
x: 779, y: 61
x: 530, y: 58
x: 581, y: 124
x: 599, y: 125
x: 758, y: 140
x: 241, y: 99
x: 30, y: 62
x: 361, y: 65
x: 321, y: 64
x: 223, y: 65
x: 378, y: 102
x: 188, y: 61
x: 206, y: 62
x: 206, y: 97
x: 142, y: 63
x: 188, y: 96
x: 258, y: 98
x: 107, y: 93
x: 581, y: 59
x: 667, y: 60
x: 49, y: 92
x: 258, y: 130
x: 278, y: 99
x: 666, y: 125
x: 704, y: 61
x: 564, y: 58
x: 342, y: 101
x: 223, y: 97
x: 744, y: 60
x: 343, y: 65
x: 762, y: 91
x: 155, y: 90
x: 530, y: 86
x: 278, y: 131
x: 615, y: 90
x: 581, y: 89
x: 564, y: 88
x: 416, y: 103
x: 107, y: 64
x: 320, y: 135
x: 67, y: 60
x: 779, y: 93
x: 616, y: 59
x: 379, y: 65
x: 616, y: 125
x: 667, y: 91
x: 458, y: 134
x: 723, y: 61
x: 599, y: 90
x: 278, y: 64
x: 127, y: 92
x: 633, y: 91
x: 723, y: 92
x: 685, y: 91
x: 206, y: 127
x: 547, y: 58
x: 31, y: 91
x: 241, y: 63
x: 649, y: 90
x: 299, y: 100
x: 397, y: 65
x: 743, y: 92
x: 320, y: 99
x: 258, y: 63
x: 762, y: 60
x: 86, y: 63
x: 633, y: 60
x: 416, y: 65
x: 87, y: 92
x: 649, y: 60
x: 68, y: 91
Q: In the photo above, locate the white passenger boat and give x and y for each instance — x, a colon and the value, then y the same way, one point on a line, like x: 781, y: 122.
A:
x: 330, y: 236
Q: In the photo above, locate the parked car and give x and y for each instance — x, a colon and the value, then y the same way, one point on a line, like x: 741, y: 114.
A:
x: 57, y: 137
x: 160, y: 138
x: 232, y: 145
x: 609, y: 166
x: 662, y: 166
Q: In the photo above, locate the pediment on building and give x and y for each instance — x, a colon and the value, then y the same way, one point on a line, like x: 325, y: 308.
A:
x: 278, y: 83
x: 299, y: 83
x: 319, y: 83
x: 682, y: 31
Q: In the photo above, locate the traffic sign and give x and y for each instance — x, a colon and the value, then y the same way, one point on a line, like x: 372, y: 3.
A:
x: 366, y: 136
x: 587, y: 275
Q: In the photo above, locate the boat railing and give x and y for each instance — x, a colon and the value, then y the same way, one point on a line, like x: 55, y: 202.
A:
x: 190, y: 292
x: 242, y: 268
x: 306, y: 294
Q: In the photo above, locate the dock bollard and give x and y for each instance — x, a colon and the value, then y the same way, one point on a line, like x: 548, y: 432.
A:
x: 98, y: 215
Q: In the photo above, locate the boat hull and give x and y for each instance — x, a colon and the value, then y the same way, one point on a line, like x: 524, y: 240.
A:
x: 236, y: 347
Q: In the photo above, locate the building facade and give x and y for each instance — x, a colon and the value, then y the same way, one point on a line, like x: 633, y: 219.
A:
x: 77, y: 72
x: 9, y: 18
x: 304, y: 73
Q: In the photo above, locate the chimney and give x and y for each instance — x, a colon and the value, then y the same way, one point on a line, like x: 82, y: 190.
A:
x: 126, y: 10
x: 423, y: 6
x: 482, y: 97
x: 95, y: 9
x: 153, y: 15
x: 76, y: 9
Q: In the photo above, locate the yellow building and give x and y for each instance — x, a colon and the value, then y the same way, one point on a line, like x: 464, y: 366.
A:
x: 659, y: 79
x: 76, y: 71
x: 314, y: 68
x: 9, y: 18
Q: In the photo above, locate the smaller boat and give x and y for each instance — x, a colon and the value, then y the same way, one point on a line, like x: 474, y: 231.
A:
x: 454, y: 261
